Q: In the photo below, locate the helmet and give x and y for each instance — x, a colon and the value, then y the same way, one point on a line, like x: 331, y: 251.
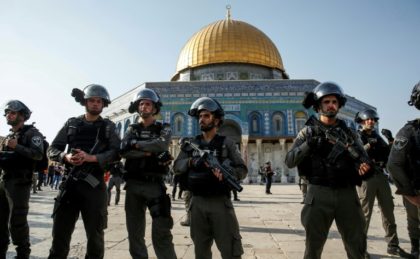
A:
x: 323, y: 89
x: 90, y: 91
x: 17, y: 106
x: 145, y: 94
x: 206, y: 103
x: 94, y: 90
x: 366, y: 114
x: 415, y: 96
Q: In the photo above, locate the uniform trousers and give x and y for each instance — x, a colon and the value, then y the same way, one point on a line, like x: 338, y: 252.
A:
x: 413, y: 219
x: 139, y: 196
x: 14, y: 207
x: 378, y: 187
x: 214, y: 218
x: 80, y: 198
x: 114, y: 181
x: 323, y: 205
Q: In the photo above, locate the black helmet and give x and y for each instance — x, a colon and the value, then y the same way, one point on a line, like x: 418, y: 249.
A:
x: 415, y: 96
x: 17, y: 106
x: 366, y: 114
x: 90, y: 91
x: 206, y: 103
x: 145, y: 94
x: 323, y: 89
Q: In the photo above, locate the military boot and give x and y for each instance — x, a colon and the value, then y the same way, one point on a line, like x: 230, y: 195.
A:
x: 23, y: 251
x: 396, y: 250
x: 187, y: 221
x: 415, y: 247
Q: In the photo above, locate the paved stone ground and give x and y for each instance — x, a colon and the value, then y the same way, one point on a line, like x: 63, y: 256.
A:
x: 270, y: 228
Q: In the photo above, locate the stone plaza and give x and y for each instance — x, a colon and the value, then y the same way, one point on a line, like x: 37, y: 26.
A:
x: 269, y: 224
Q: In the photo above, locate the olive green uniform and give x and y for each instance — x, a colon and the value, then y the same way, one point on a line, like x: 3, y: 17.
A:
x: 212, y: 214
x: 331, y: 190
x: 15, y: 186
x: 378, y: 187
x: 145, y: 188
x: 79, y: 196
x: 404, y: 166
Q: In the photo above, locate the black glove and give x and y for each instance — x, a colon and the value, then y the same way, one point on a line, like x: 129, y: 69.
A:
x: 164, y: 158
x: 372, y: 141
x: 388, y: 134
x: 197, y: 162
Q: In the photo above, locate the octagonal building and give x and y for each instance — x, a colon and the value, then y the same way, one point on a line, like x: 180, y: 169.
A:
x: 237, y: 64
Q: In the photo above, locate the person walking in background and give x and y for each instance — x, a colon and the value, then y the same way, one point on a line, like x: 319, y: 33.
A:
x: 116, y: 172
x: 50, y: 175
x: 268, y: 173
x: 41, y: 179
x: 58, y: 173
x: 176, y: 183
x: 34, y: 181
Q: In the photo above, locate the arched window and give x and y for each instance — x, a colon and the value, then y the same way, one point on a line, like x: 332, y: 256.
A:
x: 255, y: 123
x: 178, y: 124
x: 300, y: 120
x: 278, y: 123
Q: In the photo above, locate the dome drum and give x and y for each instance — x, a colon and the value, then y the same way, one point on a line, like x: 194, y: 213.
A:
x: 230, y: 72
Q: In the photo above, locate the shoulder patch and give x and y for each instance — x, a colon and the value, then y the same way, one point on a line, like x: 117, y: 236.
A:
x: 400, y: 143
x: 37, y: 140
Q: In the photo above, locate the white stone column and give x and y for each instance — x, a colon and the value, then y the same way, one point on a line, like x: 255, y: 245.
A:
x: 244, y: 149
x: 174, y: 148
x: 260, y: 153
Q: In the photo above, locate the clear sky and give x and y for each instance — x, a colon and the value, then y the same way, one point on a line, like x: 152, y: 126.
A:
x: 47, y: 47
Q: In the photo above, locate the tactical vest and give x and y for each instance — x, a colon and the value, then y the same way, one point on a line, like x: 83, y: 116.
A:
x: 378, y: 152
x: 84, y: 135
x: 318, y: 170
x: 142, y: 168
x: 413, y: 154
x: 201, y: 181
x: 16, y: 165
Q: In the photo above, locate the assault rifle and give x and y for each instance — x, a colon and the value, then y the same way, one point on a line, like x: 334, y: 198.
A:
x: 342, y: 143
x: 213, y: 163
x: 81, y: 172
x: 5, y: 155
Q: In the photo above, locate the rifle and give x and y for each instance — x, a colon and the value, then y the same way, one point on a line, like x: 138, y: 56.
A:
x: 213, y: 163
x: 342, y: 143
x: 5, y: 154
x: 81, y: 172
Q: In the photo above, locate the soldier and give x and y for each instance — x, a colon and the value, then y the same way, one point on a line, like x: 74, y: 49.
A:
x: 404, y: 166
x: 115, y: 180
x: 145, y: 148
x: 19, y: 150
x: 212, y: 213
x: 324, y: 152
x: 377, y: 186
x: 268, y: 172
x: 92, y: 144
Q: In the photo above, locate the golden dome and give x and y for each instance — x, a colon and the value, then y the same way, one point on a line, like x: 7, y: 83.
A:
x: 229, y: 41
